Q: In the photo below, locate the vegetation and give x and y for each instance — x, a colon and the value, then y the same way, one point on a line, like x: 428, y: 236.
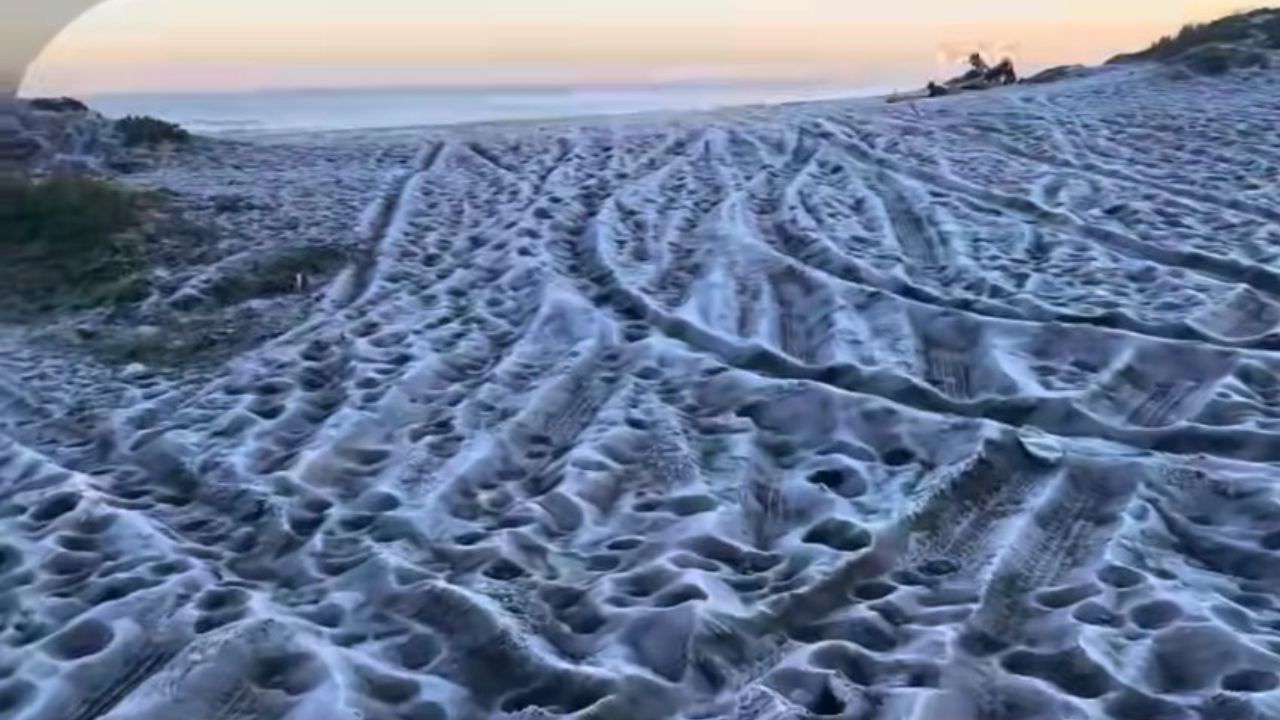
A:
x: 141, y: 130
x: 1258, y: 28
x: 1219, y: 59
x: 59, y: 104
x: 275, y: 273
x: 67, y: 241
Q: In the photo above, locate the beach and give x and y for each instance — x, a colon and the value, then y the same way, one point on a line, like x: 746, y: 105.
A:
x: 958, y: 409
x: 262, y: 112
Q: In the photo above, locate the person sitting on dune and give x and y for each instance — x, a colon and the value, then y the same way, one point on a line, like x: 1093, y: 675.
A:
x: 978, y: 70
x: 1003, y: 73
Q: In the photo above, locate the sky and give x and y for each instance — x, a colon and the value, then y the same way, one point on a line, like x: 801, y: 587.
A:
x: 233, y: 45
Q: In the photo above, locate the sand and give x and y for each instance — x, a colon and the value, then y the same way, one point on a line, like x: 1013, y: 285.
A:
x: 961, y: 410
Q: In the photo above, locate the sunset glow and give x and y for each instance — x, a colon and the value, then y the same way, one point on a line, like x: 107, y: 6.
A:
x: 129, y: 45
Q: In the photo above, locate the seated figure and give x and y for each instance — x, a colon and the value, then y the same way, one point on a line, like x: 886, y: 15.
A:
x: 978, y: 70
x: 1004, y: 74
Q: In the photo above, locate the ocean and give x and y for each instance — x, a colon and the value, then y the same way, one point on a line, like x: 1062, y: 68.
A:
x: 347, y: 109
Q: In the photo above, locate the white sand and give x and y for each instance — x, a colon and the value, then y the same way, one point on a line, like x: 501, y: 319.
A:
x: 967, y: 410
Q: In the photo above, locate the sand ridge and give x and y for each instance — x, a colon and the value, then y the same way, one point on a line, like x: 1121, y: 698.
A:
x: 960, y: 410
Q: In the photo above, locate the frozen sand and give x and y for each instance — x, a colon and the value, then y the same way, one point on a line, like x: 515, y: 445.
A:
x: 956, y: 411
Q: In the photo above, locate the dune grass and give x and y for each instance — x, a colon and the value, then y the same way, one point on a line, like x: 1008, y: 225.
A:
x: 1258, y: 27
x: 67, y: 242
x: 141, y: 130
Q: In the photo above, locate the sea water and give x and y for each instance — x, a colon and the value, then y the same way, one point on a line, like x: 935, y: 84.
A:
x: 344, y: 109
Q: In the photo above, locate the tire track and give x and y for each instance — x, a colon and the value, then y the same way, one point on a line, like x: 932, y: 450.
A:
x: 1070, y: 528
x: 379, y: 223
x: 1215, y: 267
x: 1055, y: 415
x: 917, y: 238
x: 1099, y: 170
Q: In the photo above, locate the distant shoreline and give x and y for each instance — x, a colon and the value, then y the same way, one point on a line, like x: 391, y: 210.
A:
x: 294, y: 111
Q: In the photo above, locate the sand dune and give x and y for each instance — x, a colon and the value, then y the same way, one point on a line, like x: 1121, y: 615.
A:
x: 966, y: 410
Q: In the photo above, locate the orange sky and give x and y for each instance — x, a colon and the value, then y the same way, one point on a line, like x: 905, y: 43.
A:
x: 238, y: 44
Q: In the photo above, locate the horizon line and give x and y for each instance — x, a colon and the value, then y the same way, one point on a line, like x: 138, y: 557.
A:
x: 482, y: 87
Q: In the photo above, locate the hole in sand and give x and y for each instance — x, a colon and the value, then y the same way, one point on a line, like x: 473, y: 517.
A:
x: 418, y: 651
x: 15, y: 695
x: 839, y: 534
x: 810, y: 690
x: 848, y: 660
x: 565, y: 695
x: 897, y: 457
x: 385, y: 688
x: 688, y: 561
x: 603, y: 562
x: 1093, y: 613
x: 624, y: 544
x: 378, y: 501
x: 939, y: 566
x: 1134, y: 705
x: 424, y: 710
x: 842, y: 481
x: 874, y: 590
x: 170, y: 567
x: 686, y: 505
x: 54, y: 506
x: 1155, y: 614
x: 504, y: 569
x: 85, y: 638
x: 1057, y: 598
x: 294, y: 673
x: 1250, y: 681
x: 647, y: 582
x: 213, y: 621
x: 71, y: 563
x: 119, y: 587
x: 1071, y: 671
x: 10, y: 558
x: 583, y: 620
x: 679, y: 595
x: 222, y: 598
x: 736, y: 558
x: 471, y: 537
x: 1121, y: 577
x: 559, y: 597
x: 77, y: 543
x: 647, y: 505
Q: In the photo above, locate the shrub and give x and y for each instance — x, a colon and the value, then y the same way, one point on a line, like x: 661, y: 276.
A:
x: 61, y: 211
x: 140, y: 130
x: 63, y: 241
x: 59, y: 105
x: 1271, y: 30
x: 1258, y: 25
x: 1221, y: 59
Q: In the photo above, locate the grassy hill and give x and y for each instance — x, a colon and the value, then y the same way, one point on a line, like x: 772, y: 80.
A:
x: 1254, y: 30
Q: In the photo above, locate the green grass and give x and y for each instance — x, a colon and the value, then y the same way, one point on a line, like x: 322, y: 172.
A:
x: 66, y: 242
